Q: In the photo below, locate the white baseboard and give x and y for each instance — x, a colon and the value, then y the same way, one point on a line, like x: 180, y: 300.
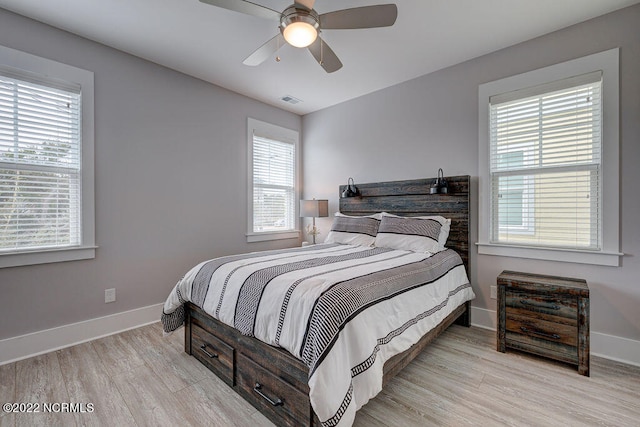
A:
x: 615, y: 348
x: 483, y: 318
x: 36, y: 343
x: 602, y: 345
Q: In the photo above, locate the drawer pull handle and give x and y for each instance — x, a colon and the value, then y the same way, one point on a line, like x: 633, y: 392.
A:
x: 203, y: 347
x: 552, y: 307
x: 543, y: 334
x: 277, y: 402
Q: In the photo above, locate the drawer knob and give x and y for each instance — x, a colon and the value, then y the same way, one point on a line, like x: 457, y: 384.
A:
x: 552, y: 306
x: 542, y: 334
x: 277, y: 402
x: 203, y: 347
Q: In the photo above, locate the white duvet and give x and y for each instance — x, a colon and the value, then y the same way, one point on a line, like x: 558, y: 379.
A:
x: 343, y: 310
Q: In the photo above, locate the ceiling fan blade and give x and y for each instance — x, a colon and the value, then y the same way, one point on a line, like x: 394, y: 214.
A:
x: 325, y: 56
x: 306, y: 3
x: 265, y: 51
x: 247, y: 7
x: 382, y: 15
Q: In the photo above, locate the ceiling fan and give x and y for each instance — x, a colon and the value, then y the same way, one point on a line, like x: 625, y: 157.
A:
x: 300, y: 26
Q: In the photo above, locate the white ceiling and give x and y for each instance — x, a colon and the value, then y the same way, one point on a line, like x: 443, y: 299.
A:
x: 210, y: 43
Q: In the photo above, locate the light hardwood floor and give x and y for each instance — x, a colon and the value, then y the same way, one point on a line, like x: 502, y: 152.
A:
x: 139, y: 378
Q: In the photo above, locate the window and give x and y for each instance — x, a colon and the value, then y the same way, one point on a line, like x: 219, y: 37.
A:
x: 545, y: 156
x: 515, y: 199
x: 273, y: 196
x: 548, y: 133
x: 46, y: 197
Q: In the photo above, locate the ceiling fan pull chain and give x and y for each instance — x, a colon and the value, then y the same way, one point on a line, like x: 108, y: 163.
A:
x: 278, y: 45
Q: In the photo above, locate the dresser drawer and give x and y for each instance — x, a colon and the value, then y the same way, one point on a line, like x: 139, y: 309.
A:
x: 542, y: 327
x: 284, y: 404
x: 213, y: 353
x: 553, y: 304
x: 542, y: 347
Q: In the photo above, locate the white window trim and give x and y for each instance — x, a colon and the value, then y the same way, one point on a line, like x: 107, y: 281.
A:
x: 608, y: 63
x: 280, y: 134
x: 56, y: 70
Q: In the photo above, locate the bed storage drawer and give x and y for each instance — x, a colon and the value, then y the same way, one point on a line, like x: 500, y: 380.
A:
x: 213, y: 353
x: 281, y: 402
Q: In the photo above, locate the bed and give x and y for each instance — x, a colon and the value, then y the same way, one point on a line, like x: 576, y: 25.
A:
x: 308, y: 335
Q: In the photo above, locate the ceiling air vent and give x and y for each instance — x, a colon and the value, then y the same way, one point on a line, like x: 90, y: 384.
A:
x: 290, y: 99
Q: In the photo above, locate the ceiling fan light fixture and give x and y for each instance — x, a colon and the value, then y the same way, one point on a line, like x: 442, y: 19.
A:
x: 300, y: 34
x: 299, y: 26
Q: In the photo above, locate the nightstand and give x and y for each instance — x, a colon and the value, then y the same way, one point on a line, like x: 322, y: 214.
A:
x: 544, y: 315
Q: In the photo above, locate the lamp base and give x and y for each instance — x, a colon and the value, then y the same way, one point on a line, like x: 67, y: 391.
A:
x: 313, y: 231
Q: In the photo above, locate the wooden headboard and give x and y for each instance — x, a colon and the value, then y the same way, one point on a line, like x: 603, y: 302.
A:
x: 412, y: 198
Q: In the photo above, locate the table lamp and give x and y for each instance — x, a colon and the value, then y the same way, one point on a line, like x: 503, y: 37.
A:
x: 314, y: 209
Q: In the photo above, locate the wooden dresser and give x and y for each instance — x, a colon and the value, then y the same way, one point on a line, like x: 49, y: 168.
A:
x: 544, y: 315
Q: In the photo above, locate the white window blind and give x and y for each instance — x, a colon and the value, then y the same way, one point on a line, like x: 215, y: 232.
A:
x: 40, y: 163
x: 274, y: 178
x: 545, y: 165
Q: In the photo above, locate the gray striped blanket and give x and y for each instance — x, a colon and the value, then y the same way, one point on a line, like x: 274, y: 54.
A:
x: 341, y: 309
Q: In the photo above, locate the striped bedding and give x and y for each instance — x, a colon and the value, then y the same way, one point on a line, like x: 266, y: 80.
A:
x: 342, y: 309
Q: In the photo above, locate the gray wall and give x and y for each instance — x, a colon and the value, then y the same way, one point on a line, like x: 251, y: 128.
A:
x: 171, y: 179
x: 410, y: 130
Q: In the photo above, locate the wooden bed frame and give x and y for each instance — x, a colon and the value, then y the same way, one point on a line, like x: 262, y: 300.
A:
x: 274, y: 381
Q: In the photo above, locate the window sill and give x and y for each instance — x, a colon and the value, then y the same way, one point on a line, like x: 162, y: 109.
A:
x: 262, y: 237
x: 16, y: 259
x: 611, y: 259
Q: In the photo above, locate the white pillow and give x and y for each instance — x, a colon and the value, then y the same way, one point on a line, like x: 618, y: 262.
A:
x: 417, y: 234
x: 354, y: 230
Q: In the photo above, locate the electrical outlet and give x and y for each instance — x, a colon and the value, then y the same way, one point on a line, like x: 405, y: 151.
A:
x: 109, y: 295
x: 494, y: 292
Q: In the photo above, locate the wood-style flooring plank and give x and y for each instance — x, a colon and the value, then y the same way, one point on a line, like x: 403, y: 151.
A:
x: 88, y: 381
x: 454, y: 397
x: 567, y: 393
x: 153, y: 404
x: 176, y: 338
x: 431, y: 406
x: 117, y: 353
x: 147, y: 397
x: 363, y: 419
x: 232, y: 410
x: 7, y: 392
x: 416, y: 383
x: 176, y: 368
x: 387, y: 411
x: 152, y: 346
x: 40, y: 381
x: 259, y: 420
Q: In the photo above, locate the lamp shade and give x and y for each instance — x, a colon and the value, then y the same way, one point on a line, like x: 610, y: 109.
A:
x: 314, y: 208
